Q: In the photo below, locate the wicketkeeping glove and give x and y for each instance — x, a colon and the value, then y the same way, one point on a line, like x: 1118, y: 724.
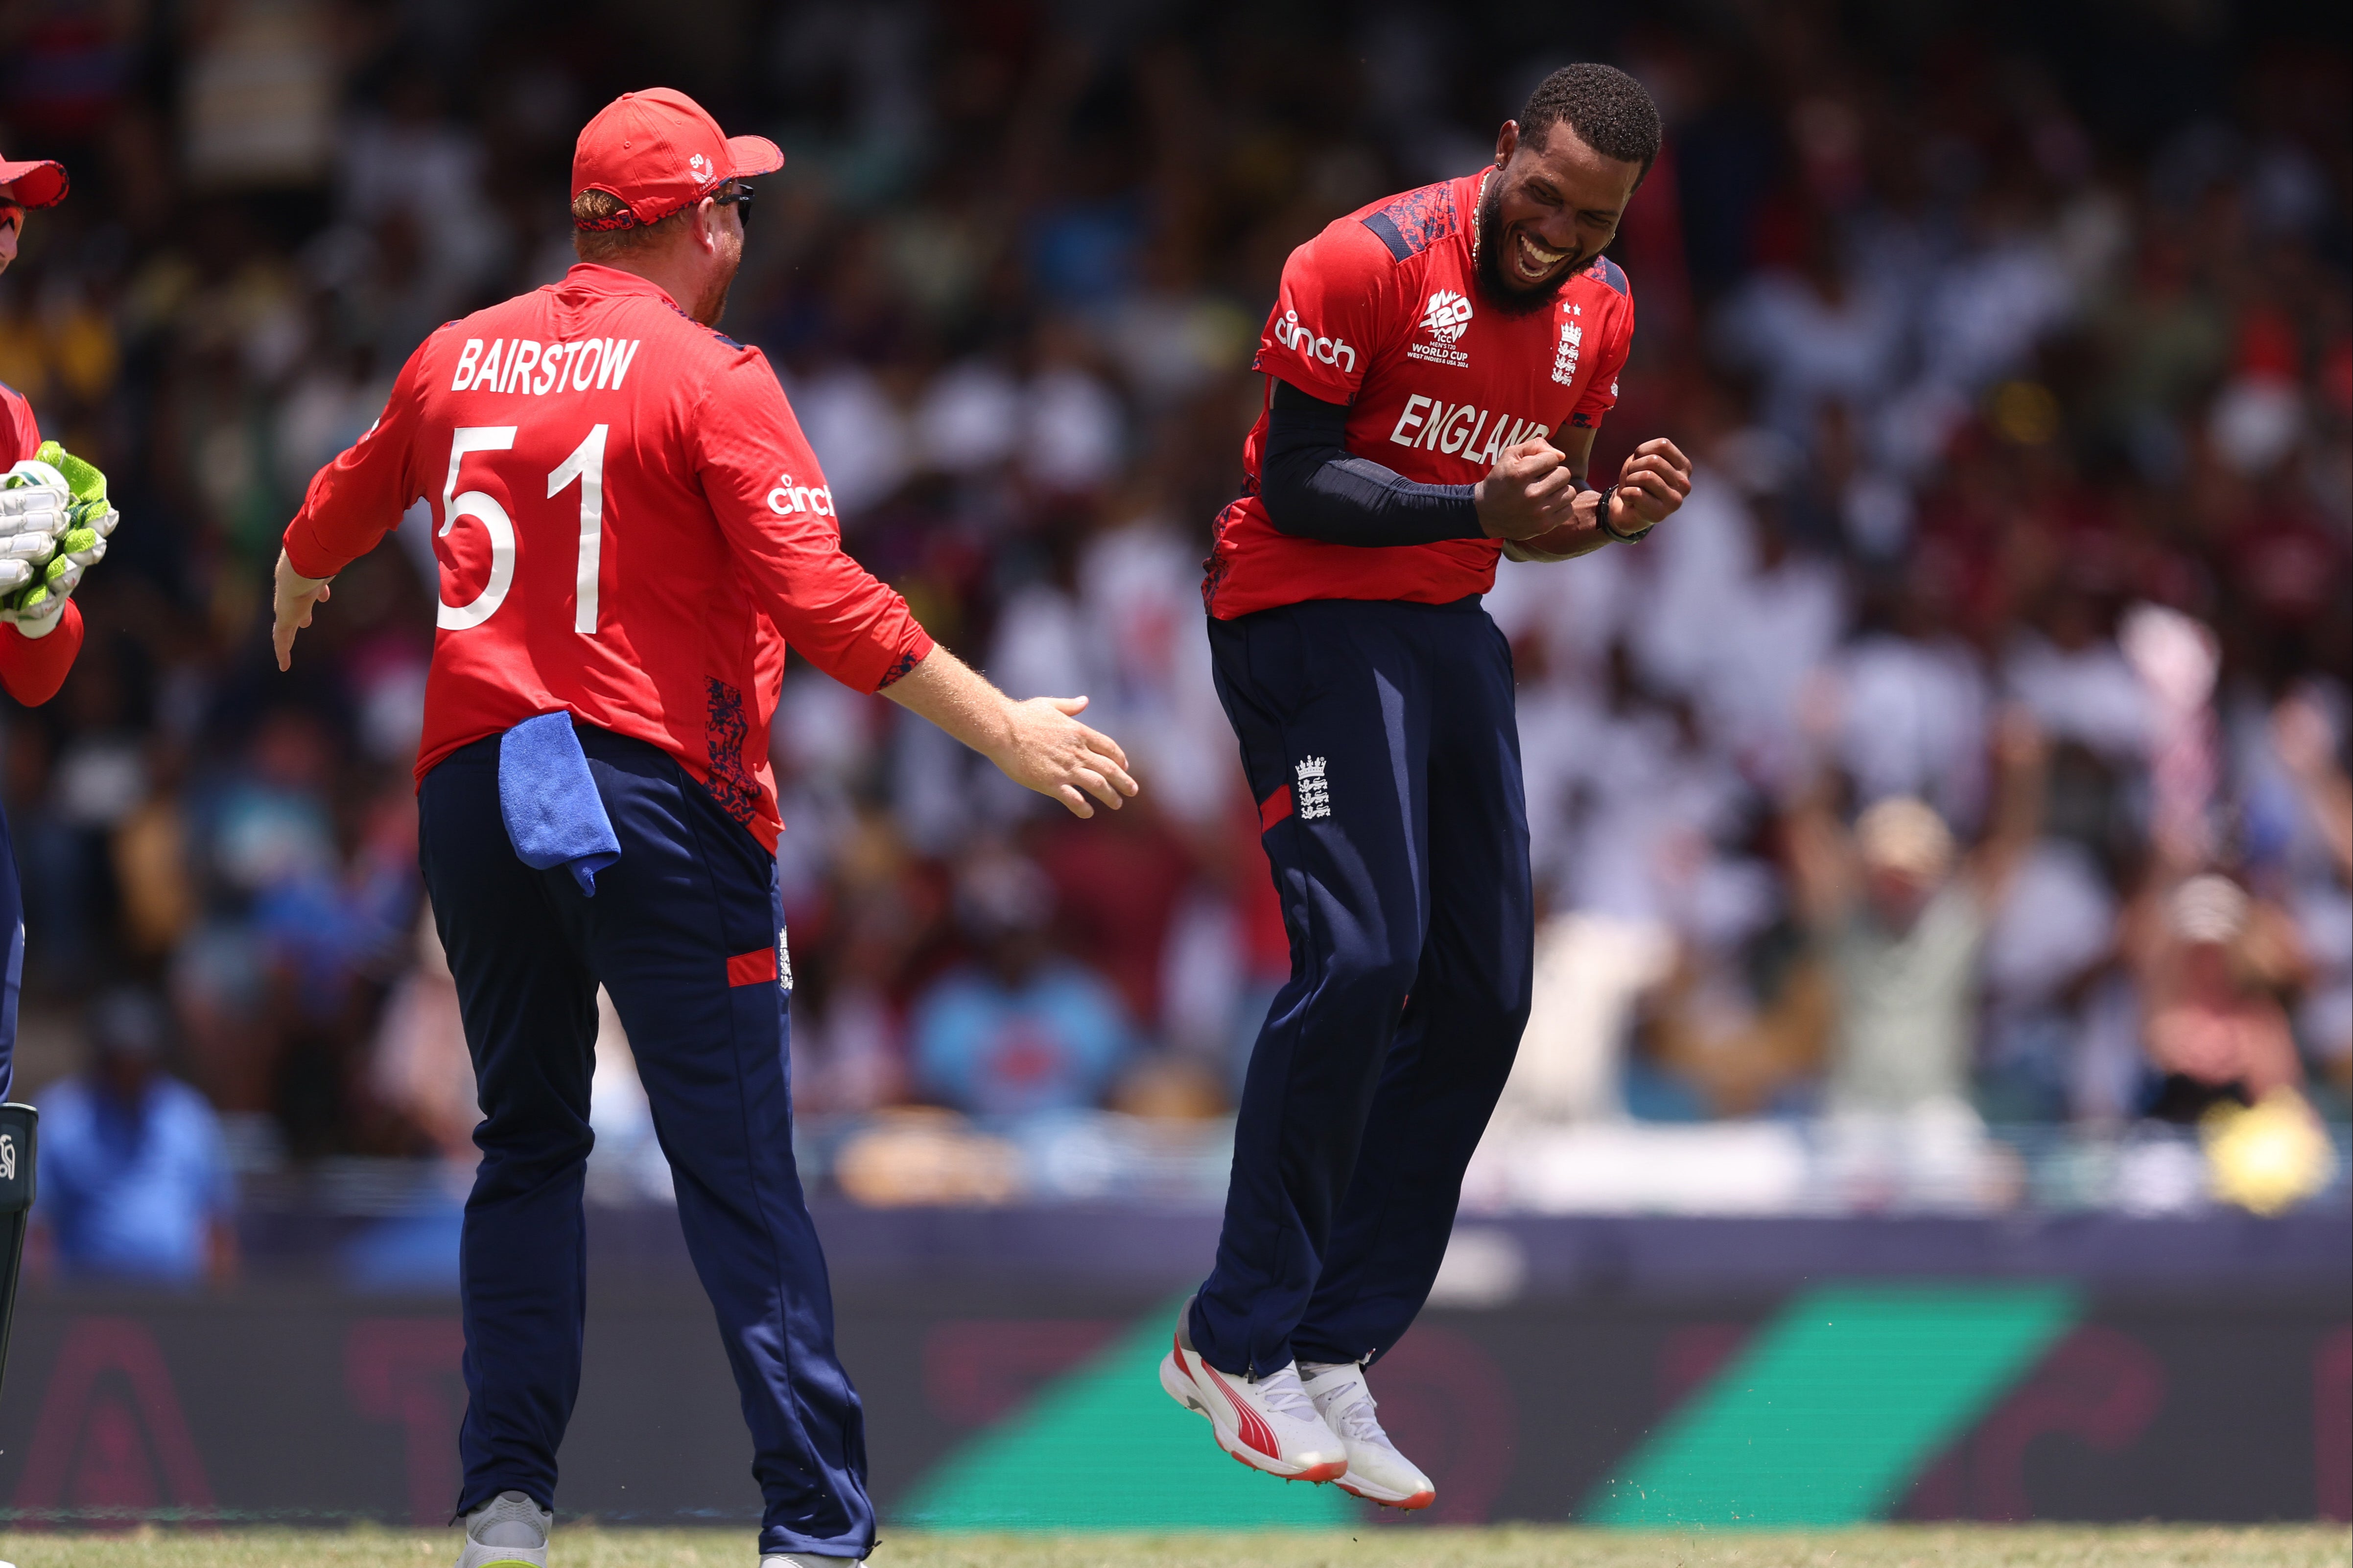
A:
x: 34, y: 501
x: 85, y: 521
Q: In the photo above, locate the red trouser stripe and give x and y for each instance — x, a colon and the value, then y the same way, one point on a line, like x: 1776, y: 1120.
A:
x: 752, y: 967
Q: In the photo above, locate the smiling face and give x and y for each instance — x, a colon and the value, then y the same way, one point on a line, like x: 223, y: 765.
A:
x: 1550, y: 210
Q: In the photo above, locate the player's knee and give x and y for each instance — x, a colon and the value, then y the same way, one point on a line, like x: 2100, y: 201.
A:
x: 1504, y: 1027
x: 530, y: 1147
x: 1493, y: 1014
x: 1372, y: 982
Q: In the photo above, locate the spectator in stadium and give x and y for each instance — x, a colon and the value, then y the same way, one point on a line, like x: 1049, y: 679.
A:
x: 1902, y: 916
x: 2175, y: 435
x: 1024, y: 1030
x: 2321, y: 872
x: 134, y: 1185
x: 2213, y: 964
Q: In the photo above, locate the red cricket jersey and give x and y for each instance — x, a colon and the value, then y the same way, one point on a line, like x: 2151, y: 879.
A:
x: 630, y: 527
x: 32, y: 669
x: 1381, y: 311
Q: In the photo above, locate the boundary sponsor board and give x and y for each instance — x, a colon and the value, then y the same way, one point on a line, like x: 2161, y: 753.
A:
x: 1029, y: 1406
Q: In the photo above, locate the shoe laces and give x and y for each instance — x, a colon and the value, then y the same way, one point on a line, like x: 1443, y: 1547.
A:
x: 1352, y: 1414
x: 1282, y: 1393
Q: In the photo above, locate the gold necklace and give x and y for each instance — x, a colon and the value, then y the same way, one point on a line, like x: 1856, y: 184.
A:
x: 1478, y: 205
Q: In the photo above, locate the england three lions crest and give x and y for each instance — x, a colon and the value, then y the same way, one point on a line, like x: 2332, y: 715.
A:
x: 1312, y: 792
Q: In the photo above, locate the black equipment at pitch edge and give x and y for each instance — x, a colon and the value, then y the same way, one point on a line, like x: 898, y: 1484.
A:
x: 18, y: 1125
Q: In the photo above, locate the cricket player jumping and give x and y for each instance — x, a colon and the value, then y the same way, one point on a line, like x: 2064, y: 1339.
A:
x: 630, y: 530
x: 1438, y: 365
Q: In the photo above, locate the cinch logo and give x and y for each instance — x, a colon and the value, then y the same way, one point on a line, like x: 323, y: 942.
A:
x: 790, y: 499
x: 1446, y: 318
x: 1291, y: 336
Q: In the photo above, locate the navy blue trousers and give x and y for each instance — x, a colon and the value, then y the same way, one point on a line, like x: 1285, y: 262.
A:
x: 11, y: 929
x: 1380, y: 740
x: 692, y: 891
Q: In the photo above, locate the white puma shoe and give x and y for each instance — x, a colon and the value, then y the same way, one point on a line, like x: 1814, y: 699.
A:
x: 1377, y: 1471
x: 1267, y: 1423
x: 508, y: 1532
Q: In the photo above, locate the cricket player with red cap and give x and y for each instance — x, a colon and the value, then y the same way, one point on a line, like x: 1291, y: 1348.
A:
x: 53, y: 526
x: 631, y: 529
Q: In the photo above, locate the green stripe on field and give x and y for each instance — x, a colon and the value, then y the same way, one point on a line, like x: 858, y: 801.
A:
x: 1104, y: 1449
x: 1832, y: 1411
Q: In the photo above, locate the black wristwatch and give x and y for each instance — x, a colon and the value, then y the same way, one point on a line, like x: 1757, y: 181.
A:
x: 1602, y: 516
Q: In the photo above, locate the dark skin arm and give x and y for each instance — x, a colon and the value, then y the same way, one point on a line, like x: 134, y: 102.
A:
x: 1651, y: 485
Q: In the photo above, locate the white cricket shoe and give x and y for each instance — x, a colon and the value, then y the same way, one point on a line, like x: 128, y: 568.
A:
x: 1267, y: 1423
x: 1377, y: 1471
x: 508, y: 1532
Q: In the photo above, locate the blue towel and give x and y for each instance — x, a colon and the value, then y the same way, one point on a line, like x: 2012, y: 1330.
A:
x: 553, y: 814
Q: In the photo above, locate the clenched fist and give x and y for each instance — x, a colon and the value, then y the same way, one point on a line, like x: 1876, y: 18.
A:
x: 1528, y: 491
x: 1650, y: 487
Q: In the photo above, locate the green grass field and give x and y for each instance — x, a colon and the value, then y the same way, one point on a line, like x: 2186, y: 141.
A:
x: 2024, y: 1546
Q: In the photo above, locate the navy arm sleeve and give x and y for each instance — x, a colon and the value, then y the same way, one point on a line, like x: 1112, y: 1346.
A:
x: 1316, y: 489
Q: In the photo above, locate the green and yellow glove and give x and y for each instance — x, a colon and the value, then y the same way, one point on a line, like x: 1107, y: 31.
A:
x: 85, y: 521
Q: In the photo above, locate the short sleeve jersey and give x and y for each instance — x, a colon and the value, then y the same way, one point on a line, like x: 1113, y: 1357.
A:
x: 20, y: 434
x: 1382, y: 311
x: 630, y: 527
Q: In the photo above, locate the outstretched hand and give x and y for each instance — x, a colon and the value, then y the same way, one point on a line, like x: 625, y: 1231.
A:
x: 1047, y: 750
x: 295, y: 597
x: 1039, y: 743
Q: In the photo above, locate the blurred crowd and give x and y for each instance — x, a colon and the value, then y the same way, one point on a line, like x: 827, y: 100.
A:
x: 1971, y: 750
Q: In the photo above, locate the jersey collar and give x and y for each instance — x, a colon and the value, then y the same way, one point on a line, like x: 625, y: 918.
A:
x: 594, y: 277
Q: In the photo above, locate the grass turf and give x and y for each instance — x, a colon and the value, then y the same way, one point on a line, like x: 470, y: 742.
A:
x: 1981, y: 1546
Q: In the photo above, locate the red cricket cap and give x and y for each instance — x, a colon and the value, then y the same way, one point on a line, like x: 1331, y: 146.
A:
x: 657, y: 150
x: 35, y: 183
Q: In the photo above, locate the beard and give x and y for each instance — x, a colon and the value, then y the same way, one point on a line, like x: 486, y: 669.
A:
x: 1493, y: 286
x: 713, y: 306
x: 712, y: 303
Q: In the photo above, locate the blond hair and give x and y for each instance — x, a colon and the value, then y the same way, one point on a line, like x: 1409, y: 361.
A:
x: 592, y: 242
